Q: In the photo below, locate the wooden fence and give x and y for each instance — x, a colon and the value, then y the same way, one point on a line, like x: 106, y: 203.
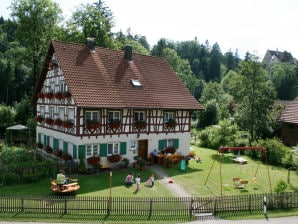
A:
x: 173, y: 206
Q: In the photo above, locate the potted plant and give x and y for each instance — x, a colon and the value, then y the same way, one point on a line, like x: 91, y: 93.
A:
x: 136, y: 159
x: 141, y: 163
x: 124, y: 162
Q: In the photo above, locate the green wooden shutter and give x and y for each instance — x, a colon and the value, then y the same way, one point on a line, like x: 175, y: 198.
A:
x: 45, y: 140
x: 103, y: 151
x: 82, y: 152
x: 176, y: 143
x: 55, y: 143
x: 123, y: 148
x: 74, y: 152
x: 161, y: 144
x: 65, y: 147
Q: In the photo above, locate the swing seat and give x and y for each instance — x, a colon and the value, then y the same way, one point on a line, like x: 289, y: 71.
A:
x: 240, y: 183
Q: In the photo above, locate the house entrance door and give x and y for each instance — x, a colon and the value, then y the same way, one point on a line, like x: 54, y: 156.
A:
x: 143, y: 148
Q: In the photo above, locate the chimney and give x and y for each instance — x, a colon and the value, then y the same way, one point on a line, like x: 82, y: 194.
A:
x: 91, y: 44
x: 128, y: 52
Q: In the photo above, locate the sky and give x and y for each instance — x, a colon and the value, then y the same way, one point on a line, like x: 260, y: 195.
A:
x: 253, y: 26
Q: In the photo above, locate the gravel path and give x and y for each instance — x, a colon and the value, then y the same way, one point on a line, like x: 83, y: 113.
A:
x: 164, y: 178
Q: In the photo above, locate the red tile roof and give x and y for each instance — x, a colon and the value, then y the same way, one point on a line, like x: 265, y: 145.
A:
x: 103, y: 79
x: 290, y: 114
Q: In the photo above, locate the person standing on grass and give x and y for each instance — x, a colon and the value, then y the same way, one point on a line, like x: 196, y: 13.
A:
x: 152, y: 180
x: 138, y: 182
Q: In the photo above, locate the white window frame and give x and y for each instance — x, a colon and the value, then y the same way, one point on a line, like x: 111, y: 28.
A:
x: 92, y: 150
x: 113, y: 148
x: 94, y: 115
x: 169, y: 143
x: 71, y: 114
x: 42, y: 110
x: 168, y: 116
x: 61, y: 113
x: 62, y: 86
x: 133, y: 145
x: 139, y: 116
x: 114, y: 115
x: 51, y: 112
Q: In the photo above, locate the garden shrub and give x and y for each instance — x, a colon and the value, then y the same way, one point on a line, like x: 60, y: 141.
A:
x: 19, y: 165
x: 224, y: 134
x: 280, y: 187
x: 277, y: 152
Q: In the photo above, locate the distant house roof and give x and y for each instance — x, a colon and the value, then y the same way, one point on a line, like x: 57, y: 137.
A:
x: 104, y: 78
x: 290, y: 113
x: 277, y: 56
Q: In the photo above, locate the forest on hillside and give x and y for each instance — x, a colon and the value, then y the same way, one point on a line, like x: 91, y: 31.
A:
x: 227, y: 86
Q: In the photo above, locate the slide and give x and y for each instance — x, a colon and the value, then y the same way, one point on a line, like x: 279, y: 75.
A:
x: 182, y: 165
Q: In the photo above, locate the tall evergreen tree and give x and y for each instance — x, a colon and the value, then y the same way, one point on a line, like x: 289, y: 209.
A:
x: 36, y: 25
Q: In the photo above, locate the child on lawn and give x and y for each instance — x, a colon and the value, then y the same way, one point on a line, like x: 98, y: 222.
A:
x: 138, y: 182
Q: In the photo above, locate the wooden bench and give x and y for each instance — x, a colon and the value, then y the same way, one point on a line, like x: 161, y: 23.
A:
x: 104, y: 166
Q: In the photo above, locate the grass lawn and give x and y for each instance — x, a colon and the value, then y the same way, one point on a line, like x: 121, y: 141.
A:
x: 96, y: 185
x: 192, y: 179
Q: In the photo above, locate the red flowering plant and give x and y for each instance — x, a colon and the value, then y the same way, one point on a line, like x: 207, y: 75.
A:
x: 93, y: 160
x: 114, y: 158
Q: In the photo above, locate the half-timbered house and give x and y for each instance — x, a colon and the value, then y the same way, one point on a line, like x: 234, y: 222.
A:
x: 92, y: 100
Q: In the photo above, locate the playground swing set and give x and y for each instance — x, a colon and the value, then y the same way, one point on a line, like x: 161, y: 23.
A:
x: 238, y: 182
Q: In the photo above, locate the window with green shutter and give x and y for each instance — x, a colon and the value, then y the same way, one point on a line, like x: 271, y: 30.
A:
x: 123, y: 148
x: 161, y: 145
x: 65, y: 147
x: 103, y: 151
x: 55, y: 143
x: 176, y: 143
x: 74, y: 152
x: 82, y: 151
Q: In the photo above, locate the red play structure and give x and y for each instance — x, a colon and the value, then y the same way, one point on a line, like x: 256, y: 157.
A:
x: 239, y: 183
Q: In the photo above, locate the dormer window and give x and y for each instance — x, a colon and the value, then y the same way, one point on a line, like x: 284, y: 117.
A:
x: 136, y: 83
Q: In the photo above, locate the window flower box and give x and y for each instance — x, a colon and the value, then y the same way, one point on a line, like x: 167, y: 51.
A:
x: 39, y: 119
x: 114, y: 158
x: 170, y: 125
x: 58, y: 95
x: 57, y: 122
x: 92, y: 125
x: 40, y: 95
x: 139, y: 125
x: 114, y: 124
x: 49, y: 121
x: 66, y: 95
x: 49, y: 95
x: 68, y: 124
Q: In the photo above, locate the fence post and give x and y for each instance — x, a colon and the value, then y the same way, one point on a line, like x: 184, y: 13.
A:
x: 150, y: 211
x: 22, y: 204
x: 191, y: 207
x: 65, y: 206
x: 214, y: 206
